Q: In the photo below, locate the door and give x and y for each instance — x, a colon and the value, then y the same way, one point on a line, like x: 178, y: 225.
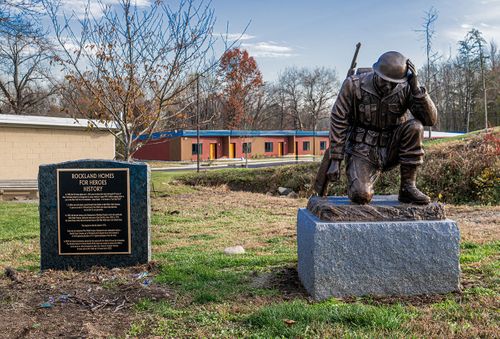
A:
x: 296, y: 148
x: 232, y: 151
x: 280, y: 149
x: 213, y: 151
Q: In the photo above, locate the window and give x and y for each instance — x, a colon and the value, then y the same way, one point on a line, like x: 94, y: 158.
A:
x: 322, y: 145
x: 247, y: 147
x: 194, y: 148
x: 306, y: 145
x: 268, y: 146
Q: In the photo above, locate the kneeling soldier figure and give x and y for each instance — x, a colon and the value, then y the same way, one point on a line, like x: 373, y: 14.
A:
x: 371, y: 127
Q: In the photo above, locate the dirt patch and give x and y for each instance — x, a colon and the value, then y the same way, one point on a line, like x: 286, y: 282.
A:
x: 97, y: 303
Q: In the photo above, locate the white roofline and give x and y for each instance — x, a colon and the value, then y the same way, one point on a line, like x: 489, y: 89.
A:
x: 54, y: 122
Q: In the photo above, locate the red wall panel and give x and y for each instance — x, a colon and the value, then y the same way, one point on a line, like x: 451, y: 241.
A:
x: 154, y: 150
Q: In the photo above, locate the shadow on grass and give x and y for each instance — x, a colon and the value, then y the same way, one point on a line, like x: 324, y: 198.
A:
x: 284, y: 280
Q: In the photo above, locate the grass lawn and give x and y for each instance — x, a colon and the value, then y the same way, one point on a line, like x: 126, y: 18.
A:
x: 257, y: 294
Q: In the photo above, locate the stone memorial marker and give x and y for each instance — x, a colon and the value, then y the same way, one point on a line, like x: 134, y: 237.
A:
x: 94, y: 213
x: 382, y: 249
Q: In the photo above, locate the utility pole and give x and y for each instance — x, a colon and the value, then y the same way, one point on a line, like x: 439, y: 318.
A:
x: 197, y: 123
x: 246, y: 143
x: 296, y: 147
x: 314, y: 142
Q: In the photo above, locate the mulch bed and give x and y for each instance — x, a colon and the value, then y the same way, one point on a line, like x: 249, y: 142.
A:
x: 96, y: 303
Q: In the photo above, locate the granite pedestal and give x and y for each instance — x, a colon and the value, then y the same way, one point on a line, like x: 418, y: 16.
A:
x: 378, y: 258
x: 94, y: 213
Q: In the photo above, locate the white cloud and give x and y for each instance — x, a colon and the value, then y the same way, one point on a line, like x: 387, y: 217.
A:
x: 489, y: 31
x: 235, y: 36
x: 142, y: 3
x: 269, y: 49
x: 484, y: 16
x: 95, y: 8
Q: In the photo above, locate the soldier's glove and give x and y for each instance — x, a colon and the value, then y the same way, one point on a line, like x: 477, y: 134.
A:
x: 412, y: 78
x: 333, y: 172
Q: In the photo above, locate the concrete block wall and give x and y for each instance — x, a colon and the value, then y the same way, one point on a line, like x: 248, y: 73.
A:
x: 23, y: 149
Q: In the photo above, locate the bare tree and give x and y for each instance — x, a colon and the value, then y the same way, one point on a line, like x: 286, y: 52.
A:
x: 279, y: 103
x: 494, y: 55
x: 320, y: 86
x: 466, y: 63
x: 479, y: 45
x: 472, y: 61
x: 290, y: 87
x: 305, y: 95
x: 262, y: 109
x: 197, y: 105
x: 134, y: 61
x: 25, y: 80
x: 20, y: 17
x: 493, y: 77
x: 427, y: 33
x: 460, y: 84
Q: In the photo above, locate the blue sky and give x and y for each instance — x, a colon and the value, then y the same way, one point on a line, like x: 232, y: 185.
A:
x: 324, y: 33
x: 312, y: 33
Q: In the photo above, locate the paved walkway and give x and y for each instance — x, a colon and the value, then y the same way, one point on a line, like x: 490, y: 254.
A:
x: 18, y: 189
x: 235, y: 164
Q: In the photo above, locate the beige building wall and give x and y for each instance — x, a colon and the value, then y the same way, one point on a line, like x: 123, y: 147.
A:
x: 185, y: 148
x: 23, y: 149
x: 180, y: 150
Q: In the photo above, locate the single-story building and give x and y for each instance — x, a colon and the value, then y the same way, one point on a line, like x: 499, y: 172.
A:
x: 26, y: 142
x: 182, y: 145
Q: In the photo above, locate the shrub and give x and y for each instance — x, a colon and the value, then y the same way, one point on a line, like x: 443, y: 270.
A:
x: 465, y: 171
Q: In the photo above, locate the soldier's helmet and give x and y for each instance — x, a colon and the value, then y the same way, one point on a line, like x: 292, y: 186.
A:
x: 391, y: 66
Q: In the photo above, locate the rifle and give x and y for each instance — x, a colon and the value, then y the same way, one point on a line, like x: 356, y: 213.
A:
x: 353, y: 62
x: 321, y: 182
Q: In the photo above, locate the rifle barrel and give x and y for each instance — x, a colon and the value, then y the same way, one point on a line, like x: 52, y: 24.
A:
x: 354, y: 58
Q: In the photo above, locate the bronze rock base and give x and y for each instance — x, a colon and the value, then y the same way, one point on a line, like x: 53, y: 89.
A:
x: 381, y: 208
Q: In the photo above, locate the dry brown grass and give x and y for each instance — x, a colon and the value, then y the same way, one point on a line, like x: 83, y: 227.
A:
x: 479, y: 224
x: 229, y: 218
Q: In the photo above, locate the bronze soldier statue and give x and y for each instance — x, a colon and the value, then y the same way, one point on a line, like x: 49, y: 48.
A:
x: 371, y: 128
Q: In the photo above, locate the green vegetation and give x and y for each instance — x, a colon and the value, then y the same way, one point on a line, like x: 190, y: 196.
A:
x: 163, y: 184
x: 462, y: 170
x: 257, y: 294
x: 473, y: 253
x: 19, y: 234
x: 19, y: 221
x: 332, y: 318
x: 212, y: 276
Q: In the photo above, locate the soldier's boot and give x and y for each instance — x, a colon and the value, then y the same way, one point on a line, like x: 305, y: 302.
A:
x: 408, y: 192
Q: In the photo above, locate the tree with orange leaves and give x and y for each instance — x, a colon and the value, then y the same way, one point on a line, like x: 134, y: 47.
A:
x: 241, y: 79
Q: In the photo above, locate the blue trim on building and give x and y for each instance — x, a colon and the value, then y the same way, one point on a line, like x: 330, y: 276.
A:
x: 233, y: 133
